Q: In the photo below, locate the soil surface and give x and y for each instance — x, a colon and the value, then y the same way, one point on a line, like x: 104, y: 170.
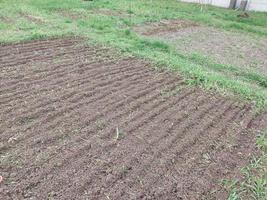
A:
x: 164, y: 27
x: 78, y: 122
x: 224, y: 47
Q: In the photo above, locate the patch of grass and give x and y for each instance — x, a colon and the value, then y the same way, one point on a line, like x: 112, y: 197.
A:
x: 248, y: 74
x: 254, y: 184
x: 116, y: 31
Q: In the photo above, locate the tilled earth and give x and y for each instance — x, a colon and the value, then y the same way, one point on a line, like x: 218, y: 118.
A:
x: 225, y: 47
x: 80, y: 122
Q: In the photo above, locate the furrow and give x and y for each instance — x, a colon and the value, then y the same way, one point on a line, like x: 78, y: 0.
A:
x: 19, y: 51
x: 35, y: 53
x: 47, y: 108
x: 168, y: 142
x: 118, y: 162
x: 50, y: 57
x: 37, y: 44
x: 77, y: 82
x: 40, y: 76
x: 61, y: 81
x: 220, y: 140
x: 31, y: 59
x: 116, y: 105
x: 190, y: 154
x: 86, y: 145
x: 83, y: 122
x: 93, y: 90
x: 50, y: 67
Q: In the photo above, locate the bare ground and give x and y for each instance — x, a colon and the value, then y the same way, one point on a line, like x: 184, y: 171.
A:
x: 224, y: 47
x: 164, y: 27
x: 77, y: 122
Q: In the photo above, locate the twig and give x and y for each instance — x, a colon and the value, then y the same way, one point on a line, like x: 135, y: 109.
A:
x: 117, y: 133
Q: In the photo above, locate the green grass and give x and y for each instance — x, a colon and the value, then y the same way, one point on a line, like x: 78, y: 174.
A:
x: 248, y: 75
x: 254, y: 184
x: 110, y: 23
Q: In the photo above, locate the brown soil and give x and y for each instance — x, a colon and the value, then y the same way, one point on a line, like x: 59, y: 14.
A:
x: 77, y: 122
x: 164, y: 26
x: 224, y: 47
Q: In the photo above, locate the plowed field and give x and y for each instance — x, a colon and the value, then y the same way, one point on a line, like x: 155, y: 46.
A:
x: 79, y: 122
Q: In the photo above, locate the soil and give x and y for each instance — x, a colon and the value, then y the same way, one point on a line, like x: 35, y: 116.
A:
x: 79, y: 122
x: 164, y: 27
x: 225, y: 47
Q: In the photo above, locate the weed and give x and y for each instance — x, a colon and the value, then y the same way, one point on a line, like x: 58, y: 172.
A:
x: 254, y: 184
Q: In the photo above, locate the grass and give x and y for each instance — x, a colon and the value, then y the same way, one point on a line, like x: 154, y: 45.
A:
x: 248, y: 74
x: 110, y: 23
x: 254, y: 184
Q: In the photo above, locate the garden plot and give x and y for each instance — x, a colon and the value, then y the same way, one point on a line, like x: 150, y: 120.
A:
x: 79, y: 122
x: 221, y: 46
